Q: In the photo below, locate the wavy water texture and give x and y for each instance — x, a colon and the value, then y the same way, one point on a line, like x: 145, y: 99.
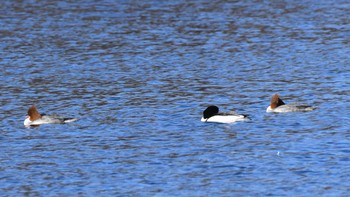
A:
x: 138, y: 74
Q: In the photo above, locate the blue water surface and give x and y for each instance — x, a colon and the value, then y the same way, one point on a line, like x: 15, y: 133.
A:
x: 138, y: 75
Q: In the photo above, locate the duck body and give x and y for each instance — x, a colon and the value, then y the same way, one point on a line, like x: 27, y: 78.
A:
x: 34, y: 118
x: 45, y: 119
x: 211, y: 114
x: 291, y: 108
x: 278, y: 106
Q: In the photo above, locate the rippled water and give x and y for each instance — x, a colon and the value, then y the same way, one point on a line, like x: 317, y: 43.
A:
x: 138, y: 75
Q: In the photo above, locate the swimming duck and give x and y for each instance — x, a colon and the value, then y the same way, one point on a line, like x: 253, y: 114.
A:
x: 211, y: 114
x: 34, y: 118
x: 277, y: 105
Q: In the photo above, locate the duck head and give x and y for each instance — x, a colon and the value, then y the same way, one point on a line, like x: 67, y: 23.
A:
x: 276, y: 101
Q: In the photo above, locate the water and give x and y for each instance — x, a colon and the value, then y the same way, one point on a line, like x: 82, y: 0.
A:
x: 138, y: 75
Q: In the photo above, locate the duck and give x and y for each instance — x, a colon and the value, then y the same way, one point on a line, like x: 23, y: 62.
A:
x: 211, y: 114
x: 278, y: 106
x: 34, y: 118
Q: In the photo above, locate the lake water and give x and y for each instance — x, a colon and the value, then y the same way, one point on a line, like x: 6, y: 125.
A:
x: 138, y: 75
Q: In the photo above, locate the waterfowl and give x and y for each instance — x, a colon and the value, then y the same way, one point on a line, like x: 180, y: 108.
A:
x: 277, y: 105
x: 211, y: 114
x: 34, y: 118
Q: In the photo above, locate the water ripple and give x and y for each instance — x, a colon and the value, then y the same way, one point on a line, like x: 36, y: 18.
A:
x: 139, y: 74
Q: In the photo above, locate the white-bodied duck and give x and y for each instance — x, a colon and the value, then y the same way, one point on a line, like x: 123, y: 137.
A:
x: 211, y: 114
